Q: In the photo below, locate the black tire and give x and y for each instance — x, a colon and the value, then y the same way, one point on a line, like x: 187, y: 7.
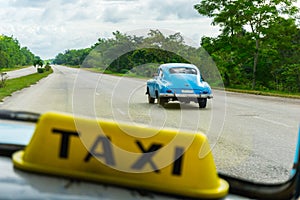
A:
x: 202, y: 103
x: 150, y: 99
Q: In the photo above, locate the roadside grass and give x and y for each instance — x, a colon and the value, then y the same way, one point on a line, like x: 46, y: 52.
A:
x: 265, y: 93
x: 13, y: 85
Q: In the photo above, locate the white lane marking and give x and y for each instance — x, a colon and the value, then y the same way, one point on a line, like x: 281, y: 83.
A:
x: 120, y: 111
x: 272, y: 121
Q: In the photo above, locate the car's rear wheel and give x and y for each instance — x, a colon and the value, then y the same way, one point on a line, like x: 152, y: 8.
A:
x: 150, y: 99
x: 202, y: 103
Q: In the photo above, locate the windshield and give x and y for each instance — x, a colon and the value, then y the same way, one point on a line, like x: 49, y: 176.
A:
x: 96, y: 59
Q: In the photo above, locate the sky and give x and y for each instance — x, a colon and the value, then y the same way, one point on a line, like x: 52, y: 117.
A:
x: 49, y: 27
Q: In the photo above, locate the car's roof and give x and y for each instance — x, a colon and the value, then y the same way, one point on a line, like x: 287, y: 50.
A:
x: 171, y: 65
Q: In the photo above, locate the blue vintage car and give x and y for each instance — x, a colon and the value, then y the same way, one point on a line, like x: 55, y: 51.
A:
x: 178, y: 82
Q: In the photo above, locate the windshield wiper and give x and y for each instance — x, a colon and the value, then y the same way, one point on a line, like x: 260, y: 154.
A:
x: 19, y: 115
x: 8, y: 149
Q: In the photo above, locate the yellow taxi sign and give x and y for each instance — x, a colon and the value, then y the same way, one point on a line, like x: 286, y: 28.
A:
x: 166, y: 161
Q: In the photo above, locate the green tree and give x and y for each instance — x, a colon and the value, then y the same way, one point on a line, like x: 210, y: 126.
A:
x: 254, y: 17
x: 27, y: 55
x: 38, y: 62
x: 72, y: 57
x: 11, y: 53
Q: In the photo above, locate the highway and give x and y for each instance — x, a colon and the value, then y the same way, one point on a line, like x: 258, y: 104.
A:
x: 21, y: 72
x: 252, y: 137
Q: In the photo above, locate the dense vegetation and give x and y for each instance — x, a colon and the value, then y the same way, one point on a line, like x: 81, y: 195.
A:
x: 139, y: 55
x: 123, y: 52
x: 12, y: 54
x: 258, y: 47
x: 71, y: 57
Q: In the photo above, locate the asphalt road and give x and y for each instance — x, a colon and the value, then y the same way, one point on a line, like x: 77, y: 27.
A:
x: 252, y: 137
x: 21, y: 72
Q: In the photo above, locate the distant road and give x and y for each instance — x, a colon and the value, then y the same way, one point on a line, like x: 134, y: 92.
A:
x: 252, y: 137
x: 21, y: 72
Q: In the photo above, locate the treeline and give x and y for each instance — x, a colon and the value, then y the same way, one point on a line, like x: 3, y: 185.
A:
x: 12, y: 54
x: 122, y: 53
x: 258, y: 48
x: 72, y: 57
x: 140, y: 55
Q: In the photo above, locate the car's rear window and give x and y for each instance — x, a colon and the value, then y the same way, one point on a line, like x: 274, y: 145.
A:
x: 182, y: 70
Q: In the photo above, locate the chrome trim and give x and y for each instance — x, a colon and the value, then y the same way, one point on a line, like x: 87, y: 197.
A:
x: 209, y: 96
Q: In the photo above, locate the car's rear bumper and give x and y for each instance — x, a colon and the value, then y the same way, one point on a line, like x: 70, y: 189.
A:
x: 197, y: 96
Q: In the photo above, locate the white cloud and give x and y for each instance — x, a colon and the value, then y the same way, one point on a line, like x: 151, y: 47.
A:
x: 48, y: 27
x: 27, y: 3
x: 169, y: 9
